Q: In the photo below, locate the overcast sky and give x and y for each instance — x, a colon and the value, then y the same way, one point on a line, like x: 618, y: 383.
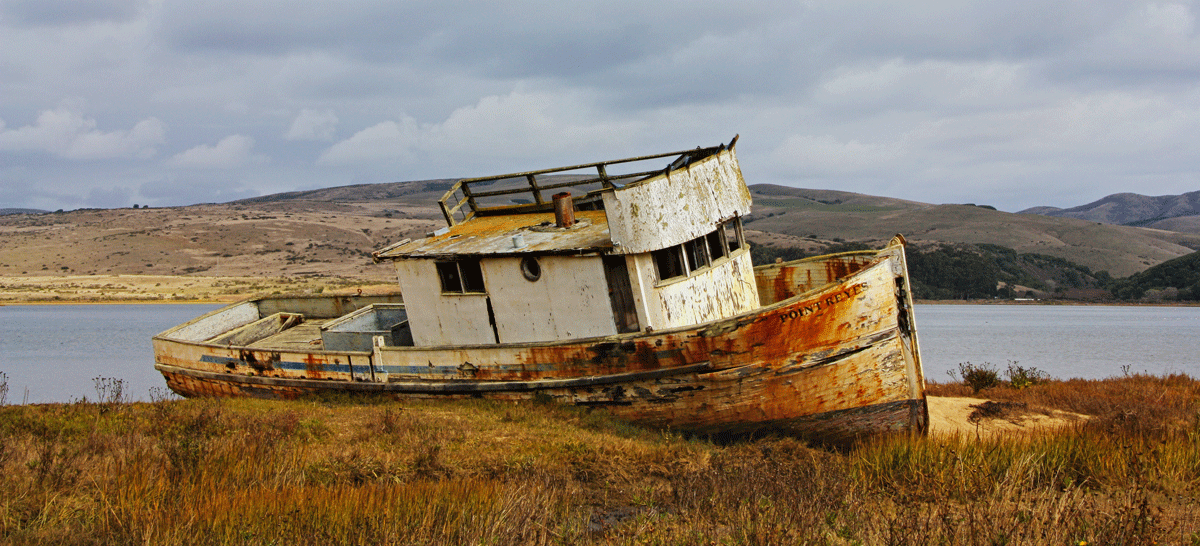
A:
x: 108, y: 103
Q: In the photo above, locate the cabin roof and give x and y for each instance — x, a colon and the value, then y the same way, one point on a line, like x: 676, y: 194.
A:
x: 493, y: 235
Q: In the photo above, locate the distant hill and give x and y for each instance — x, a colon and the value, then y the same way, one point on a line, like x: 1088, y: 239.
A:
x: 807, y: 215
x: 331, y: 231
x: 5, y: 212
x: 1132, y: 209
x: 1048, y: 211
x: 425, y: 190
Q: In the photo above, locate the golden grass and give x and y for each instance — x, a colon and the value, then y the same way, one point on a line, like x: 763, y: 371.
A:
x: 347, y: 471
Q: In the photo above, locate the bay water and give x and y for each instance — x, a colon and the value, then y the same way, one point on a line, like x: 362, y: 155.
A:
x: 1065, y: 341
x: 54, y: 353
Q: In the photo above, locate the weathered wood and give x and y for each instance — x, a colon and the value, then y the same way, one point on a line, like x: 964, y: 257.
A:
x: 678, y: 206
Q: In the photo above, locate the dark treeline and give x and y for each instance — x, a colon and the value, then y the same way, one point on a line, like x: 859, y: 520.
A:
x: 1177, y: 279
x: 981, y: 271
x: 990, y: 271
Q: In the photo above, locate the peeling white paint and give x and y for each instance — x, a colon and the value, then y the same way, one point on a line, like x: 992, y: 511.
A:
x: 725, y: 289
x: 210, y: 325
x: 684, y: 204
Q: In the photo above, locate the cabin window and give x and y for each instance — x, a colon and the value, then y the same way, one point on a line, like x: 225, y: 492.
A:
x: 461, y: 277
x: 696, y: 251
x: 733, y: 233
x: 669, y: 262
x: 699, y: 253
x: 717, y: 247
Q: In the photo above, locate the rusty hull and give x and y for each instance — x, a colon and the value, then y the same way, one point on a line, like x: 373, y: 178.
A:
x: 834, y: 358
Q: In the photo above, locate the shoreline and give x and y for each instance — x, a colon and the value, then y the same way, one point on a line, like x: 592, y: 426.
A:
x: 167, y: 289
x: 125, y: 289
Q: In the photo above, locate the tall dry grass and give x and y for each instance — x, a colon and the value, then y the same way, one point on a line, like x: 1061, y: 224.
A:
x: 346, y: 471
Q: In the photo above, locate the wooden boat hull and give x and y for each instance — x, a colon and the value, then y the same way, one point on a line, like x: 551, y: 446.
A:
x: 834, y: 358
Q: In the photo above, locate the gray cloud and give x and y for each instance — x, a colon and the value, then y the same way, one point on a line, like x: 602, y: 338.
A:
x: 1013, y: 104
x: 231, y: 152
x: 69, y: 135
x: 313, y: 125
x: 34, y: 13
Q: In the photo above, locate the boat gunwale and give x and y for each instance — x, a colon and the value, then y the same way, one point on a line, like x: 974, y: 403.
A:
x: 443, y: 386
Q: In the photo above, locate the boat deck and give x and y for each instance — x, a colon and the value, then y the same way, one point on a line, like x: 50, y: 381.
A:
x: 305, y: 336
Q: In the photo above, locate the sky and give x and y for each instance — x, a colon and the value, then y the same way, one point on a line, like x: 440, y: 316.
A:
x: 111, y: 103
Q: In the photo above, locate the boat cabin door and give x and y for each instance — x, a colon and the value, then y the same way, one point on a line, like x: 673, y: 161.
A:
x: 620, y: 294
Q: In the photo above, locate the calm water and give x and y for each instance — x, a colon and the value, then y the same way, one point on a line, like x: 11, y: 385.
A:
x: 51, y: 352
x: 1091, y: 342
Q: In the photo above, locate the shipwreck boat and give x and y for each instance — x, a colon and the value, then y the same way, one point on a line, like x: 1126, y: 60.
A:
x: 637, y: 296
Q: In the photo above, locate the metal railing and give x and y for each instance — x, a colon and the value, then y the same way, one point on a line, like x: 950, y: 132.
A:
x: 462, y: 195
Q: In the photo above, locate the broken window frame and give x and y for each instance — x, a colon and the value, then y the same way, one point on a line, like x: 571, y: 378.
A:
x: 718, y: 247
x: 669, y: 263
x: 699, y: 253
x: 696, y: 252
x: 461, y: 276
x: 733, y: 234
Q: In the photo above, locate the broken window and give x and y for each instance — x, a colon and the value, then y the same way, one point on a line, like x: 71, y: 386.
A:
x: 669, y: 262
x: 699, y: 253
x: 461, y: 277
x: 717, y: 247
x: 733, y: 233
x: 696, y: 251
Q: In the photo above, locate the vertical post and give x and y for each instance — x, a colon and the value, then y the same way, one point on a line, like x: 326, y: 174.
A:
x: 537, y: 192
x: 466, y: 189
x: 604, y: 176
x: 446, y: 213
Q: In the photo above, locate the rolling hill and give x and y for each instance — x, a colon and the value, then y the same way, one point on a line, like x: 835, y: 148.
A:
x: 843, y: 216
x: 1171, y: 212
x: 330, y: 233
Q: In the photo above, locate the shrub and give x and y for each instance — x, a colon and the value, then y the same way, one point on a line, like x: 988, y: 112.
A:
x: 978, y: 377
x: 1020, y: 377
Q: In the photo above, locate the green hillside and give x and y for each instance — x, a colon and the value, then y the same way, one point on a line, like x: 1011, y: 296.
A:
x: 1177, y: 279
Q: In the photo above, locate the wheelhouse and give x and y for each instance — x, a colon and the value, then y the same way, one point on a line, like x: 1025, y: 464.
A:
x: 629, y: 253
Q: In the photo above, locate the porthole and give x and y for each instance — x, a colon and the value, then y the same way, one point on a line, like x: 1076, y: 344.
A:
x: 531, y: 268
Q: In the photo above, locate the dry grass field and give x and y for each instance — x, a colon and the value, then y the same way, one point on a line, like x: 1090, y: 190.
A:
x: 200, y: 253
x: 163, y: 288
x: 372, y: 471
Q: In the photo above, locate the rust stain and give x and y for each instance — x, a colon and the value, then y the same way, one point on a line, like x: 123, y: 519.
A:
x: 260, y: 363
x: 838, y: 269
x: 493, y: 235
x: 314, y: 366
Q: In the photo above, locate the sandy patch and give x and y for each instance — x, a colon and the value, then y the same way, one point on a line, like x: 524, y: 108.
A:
x: 952, y: 415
